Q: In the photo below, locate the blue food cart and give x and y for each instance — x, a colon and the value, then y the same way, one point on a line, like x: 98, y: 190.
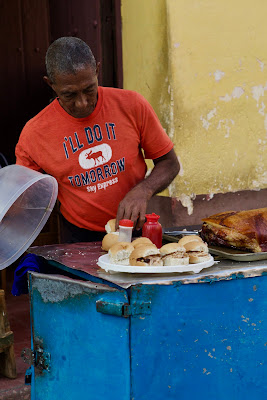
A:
x: 107, y: 336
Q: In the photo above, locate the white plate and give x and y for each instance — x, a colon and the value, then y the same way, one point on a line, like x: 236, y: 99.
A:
x: 104, y: 263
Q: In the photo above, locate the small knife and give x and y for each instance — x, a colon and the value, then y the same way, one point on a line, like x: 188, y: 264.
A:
x: 175, y: 233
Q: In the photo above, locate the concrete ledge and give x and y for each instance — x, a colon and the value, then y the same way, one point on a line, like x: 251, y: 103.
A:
x: 173, y: 213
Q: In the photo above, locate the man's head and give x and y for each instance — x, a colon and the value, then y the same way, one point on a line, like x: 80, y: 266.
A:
x: 72, y: 73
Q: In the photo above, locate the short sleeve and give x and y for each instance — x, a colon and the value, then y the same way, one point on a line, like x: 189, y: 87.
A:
x: 22, y: 156
x: 154, y: 140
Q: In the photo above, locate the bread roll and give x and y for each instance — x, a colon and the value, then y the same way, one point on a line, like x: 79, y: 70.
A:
x: 198, y: 252
x: 141, y: 240
x: 189, y: 238
x: 146, y: 256
x: 109, y: 239
x: 110, y: 226
x: 173, y: 254
x: 120, y: 252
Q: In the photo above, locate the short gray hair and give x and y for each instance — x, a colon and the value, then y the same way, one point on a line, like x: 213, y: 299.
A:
x: 68, y: 55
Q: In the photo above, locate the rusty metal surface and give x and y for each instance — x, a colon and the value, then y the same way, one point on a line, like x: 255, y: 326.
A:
x: 84, y: 257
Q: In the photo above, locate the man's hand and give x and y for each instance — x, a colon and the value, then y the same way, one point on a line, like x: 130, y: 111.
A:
x: 134, y: 204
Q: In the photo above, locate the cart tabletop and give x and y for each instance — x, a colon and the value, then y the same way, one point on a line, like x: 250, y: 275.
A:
x: 82, y: 258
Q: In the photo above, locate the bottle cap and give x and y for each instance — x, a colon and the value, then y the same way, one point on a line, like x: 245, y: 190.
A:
x: 126, y: 222
x: 152, y: 217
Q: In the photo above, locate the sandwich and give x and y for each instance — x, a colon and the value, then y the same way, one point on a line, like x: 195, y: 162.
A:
x: 120, y: 252
x: 173, y: 254
x: 189, y: 238
x: 110, y: 226
x: 197, y: 252
x: 141, y: 241
x: 147, y: 255
x: 109, y: 239
x: 243, y: 230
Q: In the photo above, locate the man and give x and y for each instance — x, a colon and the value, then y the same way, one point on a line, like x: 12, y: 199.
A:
x: 90, y: 138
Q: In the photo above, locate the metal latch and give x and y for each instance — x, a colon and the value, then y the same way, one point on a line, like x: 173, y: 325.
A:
x: 39, y: 358
x: 123, y: 309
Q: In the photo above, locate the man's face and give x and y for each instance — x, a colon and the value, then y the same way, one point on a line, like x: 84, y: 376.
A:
x: 77, y: 92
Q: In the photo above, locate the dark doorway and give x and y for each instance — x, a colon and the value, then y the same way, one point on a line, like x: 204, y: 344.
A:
x: 27, y: 29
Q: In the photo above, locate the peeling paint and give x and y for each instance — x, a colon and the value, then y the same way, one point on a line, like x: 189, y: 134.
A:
x: 225, y: 98
x: 210, y: 115
x: 257, y: 92
x: 56, y: 291
x: 218, y: 75
x: 237, y: 92
x: 209, y: 196
x: 187, y: 202
x: 205, y: 123
x: 261, y: 63
x: 224, y: 124
x: 261, y: 110
x: 181, y: 172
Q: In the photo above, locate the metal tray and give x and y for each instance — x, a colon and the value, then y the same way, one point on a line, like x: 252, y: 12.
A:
x: 236, y: 255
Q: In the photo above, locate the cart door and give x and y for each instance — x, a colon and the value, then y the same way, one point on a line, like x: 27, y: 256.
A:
x: 200, y: 341
x: 78, y: 352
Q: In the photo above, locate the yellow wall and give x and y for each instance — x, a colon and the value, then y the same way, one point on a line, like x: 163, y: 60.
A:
x: 202, y: 66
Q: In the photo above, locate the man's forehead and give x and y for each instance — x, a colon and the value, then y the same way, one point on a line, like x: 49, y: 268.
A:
x: 71, y: 77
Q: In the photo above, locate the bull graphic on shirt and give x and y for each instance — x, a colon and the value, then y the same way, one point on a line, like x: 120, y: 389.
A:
x: 95, y: 156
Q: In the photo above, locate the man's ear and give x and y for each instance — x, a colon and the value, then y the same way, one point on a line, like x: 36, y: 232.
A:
x: 47, y: 80
x: 97, y: 68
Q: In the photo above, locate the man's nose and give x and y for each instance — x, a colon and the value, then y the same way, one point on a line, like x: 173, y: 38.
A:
x: 81, y: 101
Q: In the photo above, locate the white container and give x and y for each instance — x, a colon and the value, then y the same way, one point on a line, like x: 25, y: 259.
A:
x: 27, y: 198
x: 125, y: 230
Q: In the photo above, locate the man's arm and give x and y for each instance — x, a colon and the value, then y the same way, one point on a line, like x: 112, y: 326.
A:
x: 134, y: 204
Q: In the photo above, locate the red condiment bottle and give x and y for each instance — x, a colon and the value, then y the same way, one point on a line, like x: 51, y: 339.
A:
x: 152, y: 229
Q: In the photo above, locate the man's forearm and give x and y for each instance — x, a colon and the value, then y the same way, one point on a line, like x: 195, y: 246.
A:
x: 134, y: 204
x: 163, y: 173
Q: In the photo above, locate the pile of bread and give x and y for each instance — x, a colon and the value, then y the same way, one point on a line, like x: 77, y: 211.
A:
x: 189, y: 249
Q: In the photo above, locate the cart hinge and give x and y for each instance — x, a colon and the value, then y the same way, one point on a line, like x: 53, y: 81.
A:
x: 38, y: 358
x: 123, y: 309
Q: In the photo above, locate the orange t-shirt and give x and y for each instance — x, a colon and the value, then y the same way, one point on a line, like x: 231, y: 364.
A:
x: 96, y: 160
